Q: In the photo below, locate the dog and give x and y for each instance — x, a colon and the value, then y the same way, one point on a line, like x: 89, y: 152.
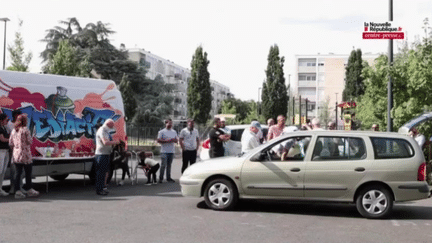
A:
x: 119, y: 159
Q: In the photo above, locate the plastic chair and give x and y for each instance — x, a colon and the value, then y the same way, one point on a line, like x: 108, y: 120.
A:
x: 138, y: 166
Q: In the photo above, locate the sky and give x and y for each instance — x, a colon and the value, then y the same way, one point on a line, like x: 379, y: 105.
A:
x: 236, y: 34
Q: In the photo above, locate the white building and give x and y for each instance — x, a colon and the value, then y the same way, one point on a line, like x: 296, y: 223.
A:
x: 322, y: 77
x: 180, y: 77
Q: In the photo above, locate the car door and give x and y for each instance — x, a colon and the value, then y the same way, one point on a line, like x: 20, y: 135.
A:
x: 337, y: 165
x: 276, y: 171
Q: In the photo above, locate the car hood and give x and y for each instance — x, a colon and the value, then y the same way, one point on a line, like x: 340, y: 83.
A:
x: 222, y: 164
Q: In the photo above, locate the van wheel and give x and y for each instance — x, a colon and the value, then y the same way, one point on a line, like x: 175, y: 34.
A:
x: 221, y: 194
x: 374, y: 202
x: 59, y: 177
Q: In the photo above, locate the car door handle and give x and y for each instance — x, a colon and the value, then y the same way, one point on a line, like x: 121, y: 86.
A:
x: 360, y: 169
x: 295, y: 169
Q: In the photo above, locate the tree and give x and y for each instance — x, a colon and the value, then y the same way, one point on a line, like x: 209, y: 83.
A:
x: 92, y: 44
x: 129, y: 102
x: 354, y: 86
x: 19, y: 61
x: 66, y: 62
x: 199, y: 96
x: 274, y: 94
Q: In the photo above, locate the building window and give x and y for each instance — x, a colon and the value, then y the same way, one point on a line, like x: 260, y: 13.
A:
x: 307, y: 77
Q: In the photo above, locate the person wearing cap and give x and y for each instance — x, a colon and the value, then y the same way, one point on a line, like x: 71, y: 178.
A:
x: 249, y: 139
x: 4, y: 150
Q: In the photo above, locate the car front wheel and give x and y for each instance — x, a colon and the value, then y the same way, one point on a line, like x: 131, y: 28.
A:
x: 374, y: 202
x: 221, y: 194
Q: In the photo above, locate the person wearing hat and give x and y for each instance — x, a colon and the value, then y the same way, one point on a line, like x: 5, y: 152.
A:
x: 249, y: 139
x: 4, y: 150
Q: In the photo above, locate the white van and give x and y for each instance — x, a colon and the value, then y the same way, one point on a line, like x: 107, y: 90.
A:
x: 63, y: 113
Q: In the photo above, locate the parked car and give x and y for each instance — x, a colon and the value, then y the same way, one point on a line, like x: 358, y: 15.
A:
x: 370, y: 169
x: 234, y: 144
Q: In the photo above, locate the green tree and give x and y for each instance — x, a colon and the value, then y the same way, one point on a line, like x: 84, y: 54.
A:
x: 354, y: 86
x: 19, y: 61
x: 129, y: 102
x: 274, y: 92
x: 66, y: 62
x: 199, y: 96
x: 92, y: 44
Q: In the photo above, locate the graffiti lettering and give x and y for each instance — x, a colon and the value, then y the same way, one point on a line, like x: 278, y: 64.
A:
x: 65, y: 126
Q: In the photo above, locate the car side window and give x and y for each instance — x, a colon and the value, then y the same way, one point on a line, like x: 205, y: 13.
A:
x: 290, y: 149
x: 236, y: 134
x: 339, y: 148
x: 392, y: 148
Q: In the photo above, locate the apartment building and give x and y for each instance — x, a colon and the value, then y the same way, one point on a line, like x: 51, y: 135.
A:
x: 179, y: 77
x: 320, y: 78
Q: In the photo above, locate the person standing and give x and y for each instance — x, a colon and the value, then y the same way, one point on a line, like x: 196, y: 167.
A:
x: 104, y: 144
x: 189, y: 142
x: 10, y: 127
x: 20, y: 141
x: 276, y: 130
x: 4, y: 150
x: 227, y: 132
x: 249, y: 139
x: 167, y: 137
x: 217, y: 137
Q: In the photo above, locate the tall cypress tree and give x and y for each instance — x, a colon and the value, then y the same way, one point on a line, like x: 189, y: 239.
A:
x: 129, y: 101
x: 354, y: 85
x: 199, y: 96
x: 274, y: 92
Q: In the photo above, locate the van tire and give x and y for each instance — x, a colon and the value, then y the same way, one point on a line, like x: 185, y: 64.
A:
x: 59, y: 177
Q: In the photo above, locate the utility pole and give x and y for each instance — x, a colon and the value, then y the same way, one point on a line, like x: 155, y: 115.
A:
x: 390, y: 86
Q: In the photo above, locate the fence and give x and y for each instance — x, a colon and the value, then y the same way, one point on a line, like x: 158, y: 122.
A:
x: 142, y: 136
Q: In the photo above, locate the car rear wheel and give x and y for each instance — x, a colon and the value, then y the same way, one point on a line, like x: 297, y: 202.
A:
x: 221, y: 194
x: 374, y: 202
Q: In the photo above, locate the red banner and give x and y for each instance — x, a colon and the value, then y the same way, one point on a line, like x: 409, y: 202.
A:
x: 383, y: 35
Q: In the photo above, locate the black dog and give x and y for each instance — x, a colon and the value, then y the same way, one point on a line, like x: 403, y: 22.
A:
x: 119, y: 159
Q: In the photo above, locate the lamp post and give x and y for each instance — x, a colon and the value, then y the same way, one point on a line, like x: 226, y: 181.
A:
x: 258, y: 104
x: 4, y: 48
x: 336, y: 116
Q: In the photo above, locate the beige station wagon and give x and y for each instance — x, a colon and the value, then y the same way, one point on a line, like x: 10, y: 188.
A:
x: 371, y: 169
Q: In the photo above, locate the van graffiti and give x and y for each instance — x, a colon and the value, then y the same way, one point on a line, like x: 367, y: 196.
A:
x: 65, y: 126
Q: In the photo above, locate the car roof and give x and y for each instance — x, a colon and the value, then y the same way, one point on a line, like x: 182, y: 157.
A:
x: 348, y: 133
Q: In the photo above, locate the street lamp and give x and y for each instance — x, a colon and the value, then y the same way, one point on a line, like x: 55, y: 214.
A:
x: 4, y: 48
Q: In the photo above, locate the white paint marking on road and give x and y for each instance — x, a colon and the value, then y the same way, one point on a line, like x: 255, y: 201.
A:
x: 395, y: 223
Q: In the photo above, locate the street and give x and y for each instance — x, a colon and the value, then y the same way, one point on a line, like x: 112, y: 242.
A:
x: 72, y: 212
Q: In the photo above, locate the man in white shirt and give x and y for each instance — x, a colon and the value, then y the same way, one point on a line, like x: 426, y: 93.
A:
x: 418, y: 137
x: 249, y: 139
x: 189, y: 142
x: 167, y: 137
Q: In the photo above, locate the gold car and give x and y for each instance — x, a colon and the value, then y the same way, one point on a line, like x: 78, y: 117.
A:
x: 370, y: 169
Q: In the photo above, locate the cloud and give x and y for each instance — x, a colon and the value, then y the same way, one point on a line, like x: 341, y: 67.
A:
x: 347, y: 23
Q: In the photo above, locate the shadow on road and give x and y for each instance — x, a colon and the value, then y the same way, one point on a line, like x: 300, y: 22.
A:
x: 345, y: 210
x: 74, y: 189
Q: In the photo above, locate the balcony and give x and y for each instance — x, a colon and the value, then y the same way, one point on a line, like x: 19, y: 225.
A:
x: 306, y: 69
x: 307, y: 84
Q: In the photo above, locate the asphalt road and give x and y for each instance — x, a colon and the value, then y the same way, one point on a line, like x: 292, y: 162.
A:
x: 72, y: 212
